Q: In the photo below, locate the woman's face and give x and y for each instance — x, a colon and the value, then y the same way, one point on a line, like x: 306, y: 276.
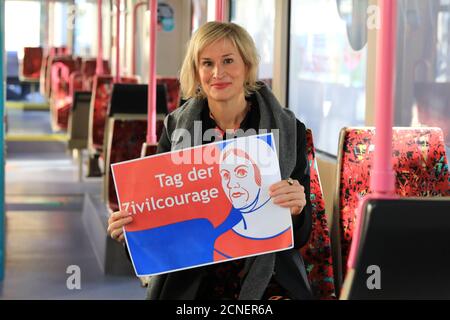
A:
x: 238, y: 181
x: 221, y: 71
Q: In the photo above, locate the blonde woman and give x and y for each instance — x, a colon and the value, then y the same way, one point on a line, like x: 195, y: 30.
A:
x: 219, y: 77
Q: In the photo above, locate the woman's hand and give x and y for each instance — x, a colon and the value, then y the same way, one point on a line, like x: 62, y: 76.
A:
x: 116, y: 221
x: 289, y: 196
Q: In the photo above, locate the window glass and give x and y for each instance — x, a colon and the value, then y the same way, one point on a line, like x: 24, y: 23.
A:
x: 261, y: 26
x: 327, y: 67
x: 199, y: 14
x: 211, y: 10
x: 423, y: 65
x: 85, y: 32
x: 60, y: 12
x: 22, y: 19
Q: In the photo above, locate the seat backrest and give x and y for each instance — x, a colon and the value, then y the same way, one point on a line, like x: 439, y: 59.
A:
x: 125, y: 137
x: 58, y: 75
x: 132, y: 99
x: 402, y: 252
x: 101, y: 94
x: 419, y: 162
x: 79, y: 120
x: 88, y: 70
x: 12, y: 64
x: 61, y: 78
x: 32, y: 62
x: 317, y: 252
x: 173, y: 91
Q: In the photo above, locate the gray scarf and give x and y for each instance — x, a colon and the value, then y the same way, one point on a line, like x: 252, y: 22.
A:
x: 272, y: 116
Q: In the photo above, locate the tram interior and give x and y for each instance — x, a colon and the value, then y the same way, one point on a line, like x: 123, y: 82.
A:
x: 65, y: 124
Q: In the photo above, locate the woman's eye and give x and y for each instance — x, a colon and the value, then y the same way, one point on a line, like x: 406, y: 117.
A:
x: 241, y: 173
x: 225, y: 175
x: 228, y: 61
x: 207, y: 63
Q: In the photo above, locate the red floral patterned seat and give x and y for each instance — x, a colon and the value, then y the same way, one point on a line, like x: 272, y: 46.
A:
x: 173, y: 91
x: 317, y: 252
x: 61, y: 100
x: 54, y: 54
x: 32, y: 62
x: 419, y: 161
x: 101, y: 94
x: 126, y: 137
x: 79, y: 80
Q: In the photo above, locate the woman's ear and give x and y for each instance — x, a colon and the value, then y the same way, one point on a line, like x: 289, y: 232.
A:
x: 198, y: 89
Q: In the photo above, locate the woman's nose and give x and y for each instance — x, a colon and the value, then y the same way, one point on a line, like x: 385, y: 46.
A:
x: 233, y: 183
x: 217, y: 71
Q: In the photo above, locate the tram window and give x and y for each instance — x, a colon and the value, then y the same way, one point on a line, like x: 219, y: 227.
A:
x: 261, y: 26
x: 59, y: 23
x: 423, y: 66
x: 21, y: 19
x: 211, y: 10
x: 199, y: 13
x: 327, y: 75
x: 86, y: 17
x: 202, y: 12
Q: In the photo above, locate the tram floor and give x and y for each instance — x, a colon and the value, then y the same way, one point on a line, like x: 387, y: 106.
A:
x: 43, y: 248
x: 46, y: 245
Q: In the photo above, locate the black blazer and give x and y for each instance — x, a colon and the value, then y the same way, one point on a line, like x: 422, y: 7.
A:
x: 289, y: 270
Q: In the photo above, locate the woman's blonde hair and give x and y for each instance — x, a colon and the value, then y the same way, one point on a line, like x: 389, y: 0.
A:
x: 207, y: 34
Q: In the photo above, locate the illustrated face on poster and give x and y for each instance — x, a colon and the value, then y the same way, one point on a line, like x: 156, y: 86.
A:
x: 213, y: 207
x: 239, y: 178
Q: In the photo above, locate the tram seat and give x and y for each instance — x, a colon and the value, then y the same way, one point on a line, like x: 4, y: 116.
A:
x: 54, y: 53
x: 132, y: 99
x: 14, y: 91
x: 126, y: 135
x: 78, y: 81
x: 317, y: 252
x: 126, y: 129
x: 79, y: 120
x: 419, y: 161
x: 101, y: 95
x: 43, y: 89
x: 62, y: 85
x: 60, y: 94
x: 12, y: 65
x: 48, y: 82
x: 402, y: 250
x: 88, y: 69
x: 173, y: 91
x: 30, y: 66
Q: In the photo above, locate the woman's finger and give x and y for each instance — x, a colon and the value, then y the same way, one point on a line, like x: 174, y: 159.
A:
x: 119, y: 224
x: 282, y: 183
x: 288, y: 197
x: 287, y: 189
x: 293, y: 203
x: 117, y: 216
x: 116, y: 233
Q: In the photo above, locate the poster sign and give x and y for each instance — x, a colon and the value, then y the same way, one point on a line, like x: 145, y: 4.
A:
x: 202, y: 205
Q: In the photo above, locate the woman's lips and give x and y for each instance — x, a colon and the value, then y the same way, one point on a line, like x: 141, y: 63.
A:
x: 220, y: 85
x: 237, y: 194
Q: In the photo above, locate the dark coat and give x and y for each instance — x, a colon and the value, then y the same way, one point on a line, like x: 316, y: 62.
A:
x: 287, y: 267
